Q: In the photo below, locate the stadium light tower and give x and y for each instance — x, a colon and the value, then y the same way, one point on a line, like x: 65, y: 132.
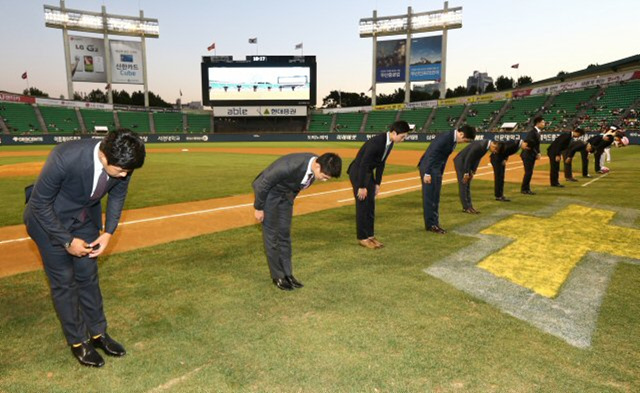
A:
x: 408, y: 24
x: 106, y: 24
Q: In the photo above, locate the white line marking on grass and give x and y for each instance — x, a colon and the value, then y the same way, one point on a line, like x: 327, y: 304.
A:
x: 171, y: 383
x: 597, y: 178
x: 14, y: 240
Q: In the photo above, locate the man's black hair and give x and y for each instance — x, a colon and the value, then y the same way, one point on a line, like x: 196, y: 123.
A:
x: 400, y: 127
x: 123, y: 148
x: 330, y: 164
x: 537, y: 120
x: 501, y: 147
x: 468, y: 131
x: 579, y: 131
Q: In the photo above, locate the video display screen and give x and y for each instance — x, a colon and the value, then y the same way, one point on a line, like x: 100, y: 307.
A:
x: 259, y: 83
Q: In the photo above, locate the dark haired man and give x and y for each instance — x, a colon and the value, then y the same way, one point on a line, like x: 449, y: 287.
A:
x: 466, y: 164
x: 554, y: 152
x: 596, y: 144
x: 275, y: 189
x: 531, y: 153
x: 63, y: 216
x: 499, y: 163
x: 431, y: 167
x: 577, y: 146
x: 366, y: 185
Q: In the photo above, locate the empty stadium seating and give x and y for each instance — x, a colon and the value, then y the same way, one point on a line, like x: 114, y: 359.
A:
x: 349, y: 122
x: 60, y: 120
x: 521, y: 109
x: 608, y: 108
x: 135, y: 121
x: 417, y: 117
x: 445, y: 118
x: 480, y: 115
x: 19, y: 118
x: 320, y: 122
x: 168, y: 122
x: 97, y: 118
x: 198, y: 123
x: 379, y: 121
x: 565, y: 106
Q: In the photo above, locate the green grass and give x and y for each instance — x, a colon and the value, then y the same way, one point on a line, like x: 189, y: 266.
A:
x: 204, y: 309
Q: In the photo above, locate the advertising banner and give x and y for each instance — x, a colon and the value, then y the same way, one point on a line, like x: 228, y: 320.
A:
x: 73, y: 104
x: 259, y: 111
x: 126, y: 62
x: 426, y: 58
x: 390, y: 61
x: 16, y: 98
x: 87, y: 59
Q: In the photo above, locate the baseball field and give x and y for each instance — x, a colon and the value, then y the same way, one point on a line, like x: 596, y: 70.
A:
x: 537, y: 294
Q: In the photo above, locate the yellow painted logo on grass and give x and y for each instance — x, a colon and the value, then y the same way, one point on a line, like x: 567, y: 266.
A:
x: 545, y: 250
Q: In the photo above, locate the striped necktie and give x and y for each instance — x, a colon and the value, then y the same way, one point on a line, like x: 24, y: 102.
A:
x: 101, y: 187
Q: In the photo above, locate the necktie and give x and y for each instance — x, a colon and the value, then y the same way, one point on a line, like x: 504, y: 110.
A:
x: 101, y: 187
x: 386, y: 151
x: 307, y: 184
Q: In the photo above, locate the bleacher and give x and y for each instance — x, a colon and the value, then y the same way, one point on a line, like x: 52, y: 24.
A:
x: 60, y: 120
x: 320, y: 122
x: 198, y: 123
x: 168, y: 122
x: 609, y: 107
x: 445, y: 118
x: 100, y: 118
x: 481, y: 115
x: 416, y: 117
x: 349, y: 122
x: 135, y: 121
x: 19, y: 118
x: 522, y: 109
x: 565, y: 106
x: 379, y: 121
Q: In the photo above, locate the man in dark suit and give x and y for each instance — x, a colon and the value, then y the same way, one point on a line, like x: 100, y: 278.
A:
x: 531, y: 153
x: 63, y: 216
x: 366, y: 185
x: 597, y: 144
x: 431, y: 167
x: 499, y: 163
x: 275, y: 189
x: 466, y: 164
x: 577, y: 146
x: 554, y: 152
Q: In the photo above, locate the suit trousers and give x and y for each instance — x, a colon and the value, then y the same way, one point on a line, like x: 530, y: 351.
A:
x: 597, y: 157
x: 276, y: 233
x: 75, y: 288
x: 568, y: 168
x: 554, y: 171
x: 498, y: 175
x: 464, y: 190
x: 431, y: 200
x: 366, y: 209
x: 529, y: 161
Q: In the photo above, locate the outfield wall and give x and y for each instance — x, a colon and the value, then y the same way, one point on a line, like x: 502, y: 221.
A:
x: 50, y: 139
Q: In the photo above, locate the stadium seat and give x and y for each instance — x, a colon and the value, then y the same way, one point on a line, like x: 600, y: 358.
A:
x: 198, y: 123
x: 349, y: 122
x: 379, y: 121
x: 19, y: 118
x: 522, y: 109
x: 417, y: 117
x: 97, y: 118
x: 320, y: 122
x: 445, y: 118
x: 480, y: 115
x: 168, y: 122
x: 60, y: 120
x: 135, y: 121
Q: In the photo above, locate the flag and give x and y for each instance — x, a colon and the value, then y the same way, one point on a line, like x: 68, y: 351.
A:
x: 515, y: 65
x: 180, y: 92
x: 108, y: 87
x: 211, y: 47
x: 253, y: 40
x: 299, y: 46
x: 24, y: 75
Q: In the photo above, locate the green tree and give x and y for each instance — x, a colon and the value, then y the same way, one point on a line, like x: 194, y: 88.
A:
x: 97, y: 95
x: 504, y: 83
x: 490, y: 88
x: 524, y: 80
x: 35, y: 92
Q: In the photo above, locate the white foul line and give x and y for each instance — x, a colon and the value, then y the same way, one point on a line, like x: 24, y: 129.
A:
x: 597, y: 178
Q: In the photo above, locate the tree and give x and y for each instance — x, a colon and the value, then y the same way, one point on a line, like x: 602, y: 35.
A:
x: 97, y: 96
x: 345, y: 99
x: 524, y: 80
x: 472, y: 90
x: 562, y: 73
x: 490, y: 88
x: 504, y: 83
x: 35, y: 92
x: 77, y: 96
x: 122, y: 97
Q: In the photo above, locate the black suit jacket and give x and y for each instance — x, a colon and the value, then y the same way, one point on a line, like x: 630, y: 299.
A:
x: 600, y: 142
x: 533, y: 143
x: 283, y: 176
x: 63, y: 191
x: 370, y: 156
x: 469, y: 158
x: 560, y: 144
x: 434, y: 160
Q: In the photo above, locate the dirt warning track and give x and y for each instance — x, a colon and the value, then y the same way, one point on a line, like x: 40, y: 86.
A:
x: 185, y: 220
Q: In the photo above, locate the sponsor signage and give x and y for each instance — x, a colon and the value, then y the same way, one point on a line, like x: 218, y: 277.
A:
x: 426, y: 58
x: 126, y: 62
x: 73, y: 104
x: 87, y: 59
x: 16, y: 98
x: 259, y: 111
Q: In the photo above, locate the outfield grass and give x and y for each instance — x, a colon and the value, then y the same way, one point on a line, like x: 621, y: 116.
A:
x: 201, y: 314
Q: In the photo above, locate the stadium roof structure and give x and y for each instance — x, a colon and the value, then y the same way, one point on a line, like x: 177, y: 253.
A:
x: 613, y: 66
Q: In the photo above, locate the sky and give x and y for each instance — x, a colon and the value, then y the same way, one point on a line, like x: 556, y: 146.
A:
x: 543, y: 36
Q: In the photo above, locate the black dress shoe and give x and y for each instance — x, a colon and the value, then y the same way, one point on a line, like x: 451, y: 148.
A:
x: 573, y: 179
x: 587, y: 176
x: 528, y: 192
x: 294, y: 282
x: 503, y: 199
x: 436, y: 229
x: 557, y: 185
x: 87, y: 355
x: 110, y: 346
x: 470, y: 210
x: 283, y: 283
